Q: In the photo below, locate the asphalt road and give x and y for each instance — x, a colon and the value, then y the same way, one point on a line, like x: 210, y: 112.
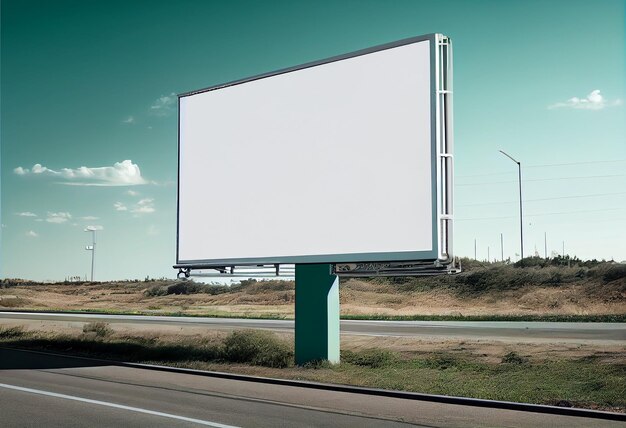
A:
x: 53, y: 391
x: 593, y: 333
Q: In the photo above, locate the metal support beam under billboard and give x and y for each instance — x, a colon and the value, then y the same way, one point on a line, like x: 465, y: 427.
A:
x: 317, y: 314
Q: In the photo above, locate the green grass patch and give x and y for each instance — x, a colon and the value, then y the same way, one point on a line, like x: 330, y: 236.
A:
x: 579, y: 382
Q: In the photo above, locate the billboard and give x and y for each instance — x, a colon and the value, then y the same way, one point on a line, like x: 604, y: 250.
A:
x: 342, y: 160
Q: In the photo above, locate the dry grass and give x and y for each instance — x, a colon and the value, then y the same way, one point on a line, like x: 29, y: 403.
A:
x: 362, y: 297
x: 357, y: 298
x: 494, y: 289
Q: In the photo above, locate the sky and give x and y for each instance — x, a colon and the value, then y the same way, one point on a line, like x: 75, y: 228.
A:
x: 89, y: 130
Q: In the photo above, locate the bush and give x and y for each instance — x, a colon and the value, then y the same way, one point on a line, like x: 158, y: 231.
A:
x: 15, y: 282
x: 155, y: 291
x: 13, y: 302
x: 614, y: 272
x: 373, y: 358
x: 252, y: 286
x: 11, y: 332
x: 533, y: 261
x: 190, y: 287
x: 100, y: 329
x: 256, y: 347
x: 184, y: 287
x: 513, y: 358
x: 441, y: 362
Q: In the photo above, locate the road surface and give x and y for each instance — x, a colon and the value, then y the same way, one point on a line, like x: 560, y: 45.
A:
x: 536, y: 332
x: 55, y: 391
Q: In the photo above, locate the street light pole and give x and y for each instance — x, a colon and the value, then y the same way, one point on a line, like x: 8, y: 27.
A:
x: 92, y: 247
x: 475, y: 249
x: 521, y: 221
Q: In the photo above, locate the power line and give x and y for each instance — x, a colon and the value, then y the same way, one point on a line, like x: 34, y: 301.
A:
x: 542, y: 214
x: 575, y: 163
x: 484, y: 175
x: 544, y: 199
x: 576, y: 212
x: 543, y: 166
x: 482, y: 218
x: 544, y: 179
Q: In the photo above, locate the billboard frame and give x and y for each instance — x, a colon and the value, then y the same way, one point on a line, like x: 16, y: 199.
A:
x: 441, y: 167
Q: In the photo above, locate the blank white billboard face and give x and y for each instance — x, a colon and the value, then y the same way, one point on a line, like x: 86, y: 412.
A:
x: 327, y: 163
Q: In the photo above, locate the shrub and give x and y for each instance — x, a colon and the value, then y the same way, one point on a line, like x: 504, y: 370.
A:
x: 216, y: 289
x: 533, y: 261
x: 555, y: 278
x: 614, y: 272
x: 13, y: 302
x: 513, y: 358
x: 471, y: 264
x: 11, y: 332
x: 100, y: 329
x: 184, y: 287
x: 256, y: 347
x: 252, y: 286
x: 155, y: 291
x: 190, y: 287
x: 441, y: 362
x: 373, y: 358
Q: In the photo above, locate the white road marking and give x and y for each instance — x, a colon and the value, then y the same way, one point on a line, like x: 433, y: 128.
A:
x: 117, y: 406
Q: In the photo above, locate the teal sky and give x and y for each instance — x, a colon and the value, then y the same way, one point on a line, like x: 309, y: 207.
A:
x: 90, y: 84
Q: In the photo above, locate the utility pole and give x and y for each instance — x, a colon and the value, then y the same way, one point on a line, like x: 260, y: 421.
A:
x: 501, y: 247
x: 521, y: 221
x: 475, y: 249
x: 545, y: 244
x: 488, y: 256
x: 92, y: 247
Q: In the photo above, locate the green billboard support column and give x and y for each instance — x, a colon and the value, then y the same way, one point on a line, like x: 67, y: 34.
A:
x: 317, y: 313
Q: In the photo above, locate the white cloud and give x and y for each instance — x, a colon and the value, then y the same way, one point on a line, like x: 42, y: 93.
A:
x: 58, y: 218
x: 130, y: 120
x: 124, y: 173
x: 144, y: 206
x: 32, y: 234
x: 120, y: 206
x: 593, y: 101
x: 132, y: 193
x: 152, y: 230
x: 89, y: 217
x: 26, y: 214
x: 164, y: 105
